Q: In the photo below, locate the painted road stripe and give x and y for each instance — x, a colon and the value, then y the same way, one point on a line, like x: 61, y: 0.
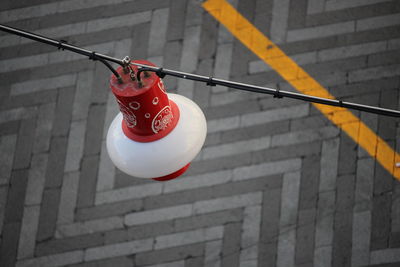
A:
x: 266, y: 50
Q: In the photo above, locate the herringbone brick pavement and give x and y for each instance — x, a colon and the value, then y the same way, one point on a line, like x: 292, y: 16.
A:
x: 275, y: 185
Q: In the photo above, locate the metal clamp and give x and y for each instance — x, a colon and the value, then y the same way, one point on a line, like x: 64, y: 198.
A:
x: 277, y: 93
x: 210, y: 82
x: 61, y: 44
x: 160, y: 73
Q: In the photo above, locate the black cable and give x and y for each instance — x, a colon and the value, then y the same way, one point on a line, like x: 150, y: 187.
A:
x: 63, y: 45
x: 94, y: 57
x: 209, y: 80
x: 275, y: 92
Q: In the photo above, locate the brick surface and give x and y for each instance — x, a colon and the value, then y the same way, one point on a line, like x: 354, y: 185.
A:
x: 276, y: 184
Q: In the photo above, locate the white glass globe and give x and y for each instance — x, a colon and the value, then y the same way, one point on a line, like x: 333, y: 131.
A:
x: 166, y: 155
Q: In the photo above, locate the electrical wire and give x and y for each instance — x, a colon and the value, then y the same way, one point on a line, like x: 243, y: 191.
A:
x: 211, y: 81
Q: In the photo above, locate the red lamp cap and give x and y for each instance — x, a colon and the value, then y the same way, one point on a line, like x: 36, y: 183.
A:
x: 148, y: 113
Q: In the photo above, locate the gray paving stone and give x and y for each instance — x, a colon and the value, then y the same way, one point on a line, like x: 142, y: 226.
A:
x: 31, y: 99
x: 269, y: 227
x: 133, y: 192
x: 361, y: 238
x: 100, y: 87
x: 286, y: 247
x: 213, y: 253
x: 347, y: 155
x: 27, y: 240
x: 75, y: 146
x: 377, y: 22
x: 140, y: 34
x: 172, y: 60
x: 106, y: 210
x: 48, y: 214
x: 88, y: 227
x: 194, y: 13
x: 176, y: 20
x: 260, y: 170
x: 208, y: 37
x: 44, y: 127
x: 325, y: 219
x: 394, y: 241
x: 250, y: 235
x: 87, y: 182
x: 61, y: 259
x: 9, y: 128
x: 374, y: 73
x: 386, y: 58
x: 206, y: 206
x: 298, y: 14
x: 63, y: 110
x: 241, y: 57
x: 280, y: 14
x: 224, y: 217
x: 305, y: 243
x: 3, y: 202
x: 315, y: 6
x: 202, y: 91
x: 106, y: 174
x: 289, y: 199
x: 81, y: 101
x: 121, y: 249
x: 151, y: 216
x: 197, y: 181
x: 23, y: 149
x: 16, y: 197
x: 223, y: 191
x: 309, y: 183
x: 351, y: 51
x: 251, y: 132
x: 9, y: 245
x: 385, y: 256
x: 167, y: 255
x: 387, y: 127
x: 320, y: 31
x: 94, y: 128
x: 194, y: 262
x: 364, y: 184
x: 231, y: 245
x: 115, y: 22
x: 190, y: 237
x: 36, y: 180
x: 304, y: 136
x: 56, y: 162
x: 342, y: 240
x: 117, y: 261
x: 329, y: 165
x: 56, y: 246
x: 189, y: 58
x: 380, y: 222
x: 158, y: 31
x: 7, y: 148
x: 69, y: 192
x: 236, y: 148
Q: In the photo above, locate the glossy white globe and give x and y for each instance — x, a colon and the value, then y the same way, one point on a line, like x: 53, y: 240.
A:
x: 166, y: 155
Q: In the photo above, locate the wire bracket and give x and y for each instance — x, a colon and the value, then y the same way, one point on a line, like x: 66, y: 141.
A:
x: 210, y: 82
x: 277, y: 93
x: 160, y: 73
x: 61, y: 44
x: 93, y: 56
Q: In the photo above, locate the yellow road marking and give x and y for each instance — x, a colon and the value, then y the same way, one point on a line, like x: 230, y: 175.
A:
x: 266, y: 50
